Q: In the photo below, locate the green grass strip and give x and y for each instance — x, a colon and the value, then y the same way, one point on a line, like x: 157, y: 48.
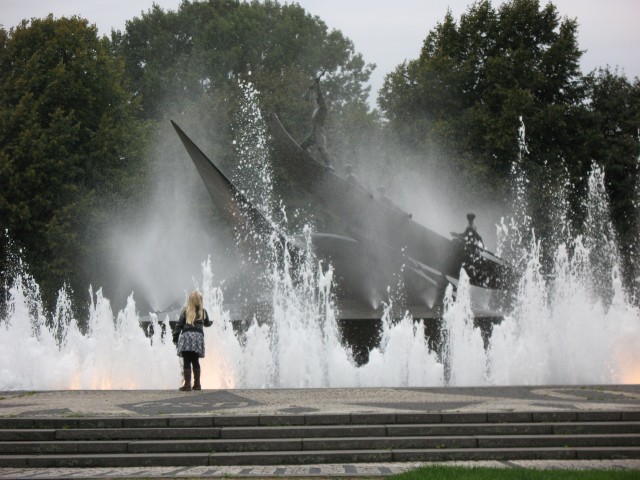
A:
x: 442, y: 472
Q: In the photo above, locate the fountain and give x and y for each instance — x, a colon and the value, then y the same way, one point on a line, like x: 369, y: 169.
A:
x: 575, y: 325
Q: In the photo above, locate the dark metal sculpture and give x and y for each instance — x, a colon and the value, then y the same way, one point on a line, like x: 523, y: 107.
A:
x: 379, y: 243
x: 317, y: 136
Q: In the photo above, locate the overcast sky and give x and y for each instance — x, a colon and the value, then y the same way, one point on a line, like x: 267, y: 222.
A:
x: 386, y: 32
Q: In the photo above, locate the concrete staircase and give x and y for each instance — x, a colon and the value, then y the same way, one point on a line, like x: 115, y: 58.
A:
x: 314, y: 439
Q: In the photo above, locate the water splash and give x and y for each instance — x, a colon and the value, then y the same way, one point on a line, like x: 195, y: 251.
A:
x: 513, y: 234
x: 575, y: 324
x: 44, y: 354
x: 254, y: 170
x: 463, y: 351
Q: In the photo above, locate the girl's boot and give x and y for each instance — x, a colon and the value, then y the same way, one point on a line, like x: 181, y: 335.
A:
x: 196, y: 379
x: 187, y: 381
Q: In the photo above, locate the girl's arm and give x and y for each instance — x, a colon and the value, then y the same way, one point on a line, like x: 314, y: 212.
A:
x: 179, y: 326
x: 207, y: 322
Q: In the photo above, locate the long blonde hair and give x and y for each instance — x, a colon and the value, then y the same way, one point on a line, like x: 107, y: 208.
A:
x: 194, y: 307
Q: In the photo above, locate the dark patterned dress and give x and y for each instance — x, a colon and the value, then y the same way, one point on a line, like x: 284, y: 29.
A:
x: 191, y: 341
x: 190, y: 338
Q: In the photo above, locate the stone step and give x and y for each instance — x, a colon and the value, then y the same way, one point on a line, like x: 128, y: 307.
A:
x: 421, y: 430
x: 312, y: 431
x: 548, y: 453
x: 326, y: 438
x: 580, y: 440
x: 315, y: 456
x: 522, y: 441
x: 108, y: 434
x: 66, y: 447
x: 320, y: 431
x: 300, y: 444
x: 551, y: 428
x: 317, y: 419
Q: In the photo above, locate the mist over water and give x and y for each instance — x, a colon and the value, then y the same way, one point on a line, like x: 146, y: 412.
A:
x: 156, y: 251
x: 572, y: 324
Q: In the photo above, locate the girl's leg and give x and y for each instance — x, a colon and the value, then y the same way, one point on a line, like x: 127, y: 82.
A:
x: 188, y: 359
x: 196, y: 372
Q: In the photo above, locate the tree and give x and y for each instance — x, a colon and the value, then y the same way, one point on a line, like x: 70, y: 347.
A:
x: 70, y: 145
x: 473, y: 80
x: 205, y: 47
x: 614, y: 142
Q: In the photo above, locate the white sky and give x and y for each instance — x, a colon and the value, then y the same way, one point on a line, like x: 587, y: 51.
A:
x: 386, y: 32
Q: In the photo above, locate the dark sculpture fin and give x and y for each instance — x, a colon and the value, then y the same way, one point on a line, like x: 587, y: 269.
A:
x: 232, y: 204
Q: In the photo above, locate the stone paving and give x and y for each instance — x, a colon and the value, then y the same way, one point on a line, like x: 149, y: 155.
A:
x: 108, y: 403
x: 78, y: 403
x: 355, y: 470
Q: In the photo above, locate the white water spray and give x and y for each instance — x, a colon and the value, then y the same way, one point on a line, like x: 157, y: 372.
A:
x: 562, y: 328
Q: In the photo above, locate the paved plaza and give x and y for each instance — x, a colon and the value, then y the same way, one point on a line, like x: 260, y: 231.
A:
x: 141, y: 403
x: 356, y: 470
x: 97, y: 403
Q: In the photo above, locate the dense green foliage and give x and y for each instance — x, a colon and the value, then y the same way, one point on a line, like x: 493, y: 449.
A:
x: 473, y: 80
x: 70, y: 147
x: 203, y: 48
x: 79, y: 114
x: 476, y: 78
x: 613, y: 140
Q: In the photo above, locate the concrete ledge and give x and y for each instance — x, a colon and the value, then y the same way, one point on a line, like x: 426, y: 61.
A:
x: 61, y: 422
x: 596, y: 428
x: 63, y: 447
x: 236, y: 421
x: 483, y: 454
x: 137, y: 434
x: 125, y: 460
x: 372, y: 418
x: 307, y: 457
x: 58, y: 422
x: 315, y: 419
x: 27, y: 435
x: 188, y: 422
x: 18, y: 422
x: 281, y: 420
x: 599, y: 416
x: 510, y: 417
x: 470, y: 429
x: 210, y: 446
x: 464, y: 418
x: 383, y: 443
x: 145, y: 422
x: 554, y: 416
x: 328, y: 419
x: 607, y: 453
x: 283, y: 458
x: 528, y: 441
x: 312, y: 431
x: 418, y: 418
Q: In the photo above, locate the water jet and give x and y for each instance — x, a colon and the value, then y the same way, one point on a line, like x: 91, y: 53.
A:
x: 557, y: 330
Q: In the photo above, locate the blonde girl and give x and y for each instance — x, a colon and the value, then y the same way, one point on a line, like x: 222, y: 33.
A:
x: 189, y: 337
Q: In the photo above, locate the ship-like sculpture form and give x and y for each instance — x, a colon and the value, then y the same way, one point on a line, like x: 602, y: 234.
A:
x: 377, y: 244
